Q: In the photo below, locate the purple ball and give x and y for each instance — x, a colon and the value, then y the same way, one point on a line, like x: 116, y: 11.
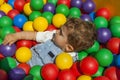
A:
x: 49, y: 7
x: 86, y: 17
x: 2, y: 14
x: 76, y: 3
x: 89, y: 6
x: 16, y: 74
x: 7, y: 50
x: 103, y: 35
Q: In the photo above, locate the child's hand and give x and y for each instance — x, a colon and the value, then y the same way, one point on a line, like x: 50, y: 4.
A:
x: 10, y: 39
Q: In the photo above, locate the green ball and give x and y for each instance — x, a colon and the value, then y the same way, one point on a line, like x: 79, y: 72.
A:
x: 94, y: 48
x: 82, y: 55
x: 62, y: 8
x: 35, y: 71
x: 115, y: 30
x: 8, y: 63
x: 34, y: 15
x: 100, y: 22
x: 104, y: 57
x: 36, y: 4
x: 6, y: 30
x: 30, y: 77
x: 53, y: 2
x: 99, y: 72
x: 1, y: 41
x: 48, y: 16
x: 74, y: 12
x: 5, y: 21
x: 115, y: 20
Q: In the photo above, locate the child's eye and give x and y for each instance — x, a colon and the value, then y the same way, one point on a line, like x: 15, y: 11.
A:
x: 60, y: 32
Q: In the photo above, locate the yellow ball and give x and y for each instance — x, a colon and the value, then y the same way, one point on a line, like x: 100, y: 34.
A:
x: 6, y: 7
x: 58, y: 20
x: 84, y: 77
x: 40, y: 24
x: 1, y: 2
x: 64, y: 61
x: 28, y: 26
x: 44, y: 1
x: 23, y: 54
x: 27, y: 10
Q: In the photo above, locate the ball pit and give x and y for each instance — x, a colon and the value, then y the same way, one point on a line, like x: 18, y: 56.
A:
x: 47, y: 15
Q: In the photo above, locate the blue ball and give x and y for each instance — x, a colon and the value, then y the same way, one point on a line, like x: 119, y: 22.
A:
x: 86, y: 17
x: 49, y: 7
x: 76, y: 3
x: 11, y: 2
x: 19, y: 20
x: 117, y: 60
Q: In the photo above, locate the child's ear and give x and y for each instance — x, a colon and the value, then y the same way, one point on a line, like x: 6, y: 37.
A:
x: 69, y: 48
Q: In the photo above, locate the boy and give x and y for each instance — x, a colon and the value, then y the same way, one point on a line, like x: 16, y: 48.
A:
x: 75, y: 35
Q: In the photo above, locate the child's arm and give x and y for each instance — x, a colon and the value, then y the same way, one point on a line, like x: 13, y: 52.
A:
x: 12, y: 38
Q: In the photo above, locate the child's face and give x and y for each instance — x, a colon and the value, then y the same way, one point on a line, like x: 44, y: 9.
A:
x: 60, y: 38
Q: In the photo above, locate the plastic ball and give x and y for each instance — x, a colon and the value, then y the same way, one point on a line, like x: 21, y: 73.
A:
x: 103, y: 35
x: 115, y: 20
x: 103, y: 12
x: 40, y: 24
x: 66, y: 74
x: 49, y: 7
x: 36, y: 4
x: 76, y: 3
x: 89, y: 6
x: 95, y: 47
x: 89, y: 65
x: 23, y: 54
x: 63, y: 9
x: 6, y: 7
x: 58, y: 20
x: 66, y: 2
x: 51, y: 27
x: 101, y: 78
x: 48, y: 16
x: 117, y: 60
x: 11, y: 2
x: 115, y: 30
x: 25, y: 67
x: 6, y: 30
x: 101, y: 22
x: 8, y: 63
x: 27, y: 9
x: 30, y: 77
x: 99, y: 72
x: 84, y: 77
x: 16, y: 29
x: 86, y: 17
x: 12, y: 13
x: 104, y: 57
x: 34, y: 15
x: 5, y: 21
x: 3, y: 75
x: 74, y: 12
x: 110, y: 72
x: 16, y: 74
x: 1, y: 2
x: 2, y: 14
x: 19, y: 4
x: 19, y: 20
x: 113, y: 45
x: 36, y: 72
x: 28, y: 26
x: 7, y: 50
x: 64, y: 61
x: 24, y: 43
x: 1, y: 41
x: 82, y: 55
x: 49, y: 71
x: 52, y: 1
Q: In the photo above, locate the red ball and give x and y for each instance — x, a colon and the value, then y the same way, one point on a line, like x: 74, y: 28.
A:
x: 114, y: 45
x: 3, y: 75
x: 17, y: 29
x: 101, y: 78
x: 49, y: 71
x: 12, y: 13
x: 19, y: 5
x: 66, y: 74
x: 75, y: 69
x: 1, y: 56
x: 6, y: 1
x: 25, y: 67
x: 103, y: 12
x: 110, y: 72
x: 51, y: 27
x: 89, y: 65
x: 27, y: 1
x: 66, y: 2
x: 24, y: 43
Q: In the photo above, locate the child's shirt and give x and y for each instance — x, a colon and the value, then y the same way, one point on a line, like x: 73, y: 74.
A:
x: 46, y: 51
